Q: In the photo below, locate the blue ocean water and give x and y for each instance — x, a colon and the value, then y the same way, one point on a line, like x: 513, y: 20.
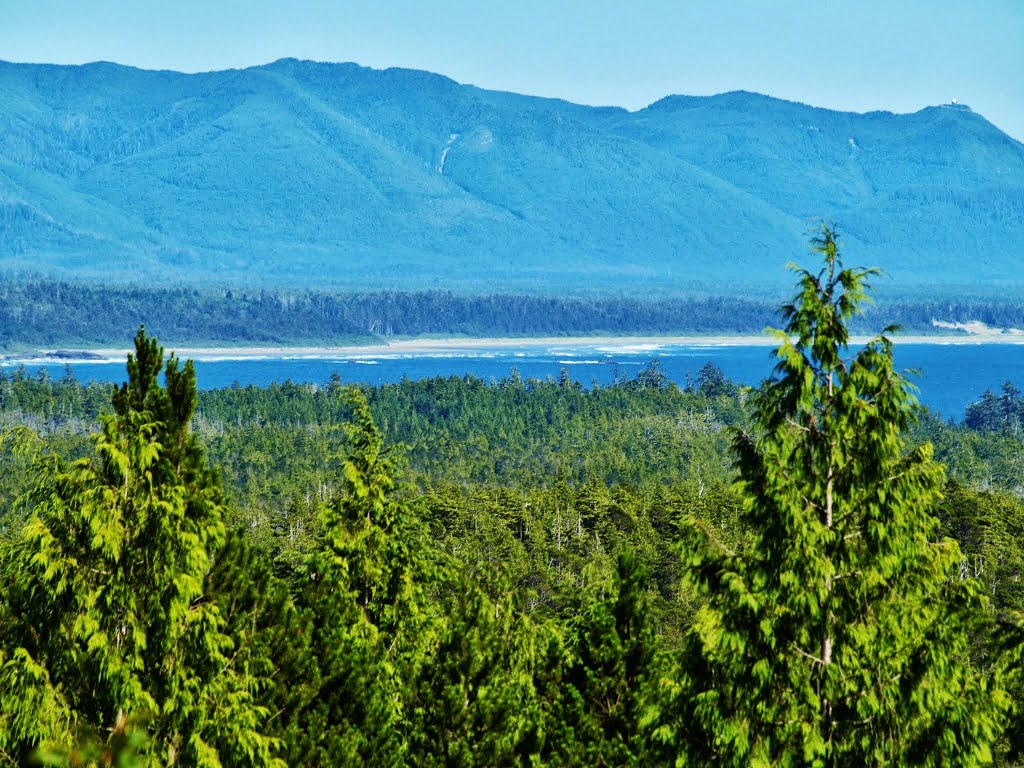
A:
x: 949, y: 376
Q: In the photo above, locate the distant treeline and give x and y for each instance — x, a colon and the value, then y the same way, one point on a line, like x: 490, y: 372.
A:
x: 43, y: 313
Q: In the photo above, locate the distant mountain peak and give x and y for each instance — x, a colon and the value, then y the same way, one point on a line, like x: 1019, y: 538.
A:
x: 304, y: 174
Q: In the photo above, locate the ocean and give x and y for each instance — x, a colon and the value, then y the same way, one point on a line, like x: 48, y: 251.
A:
x: 949, y: 376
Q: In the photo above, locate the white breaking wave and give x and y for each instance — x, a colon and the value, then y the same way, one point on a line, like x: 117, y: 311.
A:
x: 14, y: 362
x: 977, y: 328
x: 630, y: 349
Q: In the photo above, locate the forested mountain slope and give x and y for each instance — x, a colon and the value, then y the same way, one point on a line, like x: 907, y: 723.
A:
x: 333, y: 175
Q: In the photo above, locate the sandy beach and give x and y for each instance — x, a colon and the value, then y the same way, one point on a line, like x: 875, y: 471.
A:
x: 430, y: 346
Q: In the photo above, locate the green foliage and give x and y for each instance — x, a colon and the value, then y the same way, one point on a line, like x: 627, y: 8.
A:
x: 126, y: 747
x: 474, y: 701
x: 511, y: 593
x: 840, y: 636
x: 273, y: 637
x: 988, y: 527
x: 1003, y: 412
x: 363, y: 591
x: 104, y: 606
x: 608, y: 681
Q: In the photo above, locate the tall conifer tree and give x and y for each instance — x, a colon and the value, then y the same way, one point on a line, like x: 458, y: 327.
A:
x: 364, y: 598
x: 842, y: 634
x: 105, y: 625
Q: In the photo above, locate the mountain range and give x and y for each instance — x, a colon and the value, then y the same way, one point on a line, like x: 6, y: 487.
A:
x: 300, y: 174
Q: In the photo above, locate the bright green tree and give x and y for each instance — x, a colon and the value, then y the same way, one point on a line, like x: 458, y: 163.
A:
x: 474, y: 702
x: 364, y: 598
x: 104, y: 626
x: 842, y: 634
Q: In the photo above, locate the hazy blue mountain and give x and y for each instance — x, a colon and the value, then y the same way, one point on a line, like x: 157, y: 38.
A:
x: 337, y: 176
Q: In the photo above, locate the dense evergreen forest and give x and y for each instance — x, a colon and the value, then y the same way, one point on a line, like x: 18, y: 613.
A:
x: 452, y: 572
x: 47, y: 314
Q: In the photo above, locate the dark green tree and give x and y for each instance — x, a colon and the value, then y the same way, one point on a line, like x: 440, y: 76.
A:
x: 711, y: 381
x: 842, y: 635
x: 608, y: 680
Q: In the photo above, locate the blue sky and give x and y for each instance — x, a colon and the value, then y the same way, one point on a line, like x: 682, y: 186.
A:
x: 870, y: 54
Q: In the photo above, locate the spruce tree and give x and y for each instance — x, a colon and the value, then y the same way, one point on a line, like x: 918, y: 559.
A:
x: 842, y: 633
x: 105, y: 627
x: 474, y: 701
x: 607, y: 681
x: 364, y: 598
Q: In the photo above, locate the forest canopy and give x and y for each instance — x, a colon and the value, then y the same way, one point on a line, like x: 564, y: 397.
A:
x: 450, y: 572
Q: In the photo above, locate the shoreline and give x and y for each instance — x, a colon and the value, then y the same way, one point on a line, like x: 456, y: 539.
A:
x: 427, y: 347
